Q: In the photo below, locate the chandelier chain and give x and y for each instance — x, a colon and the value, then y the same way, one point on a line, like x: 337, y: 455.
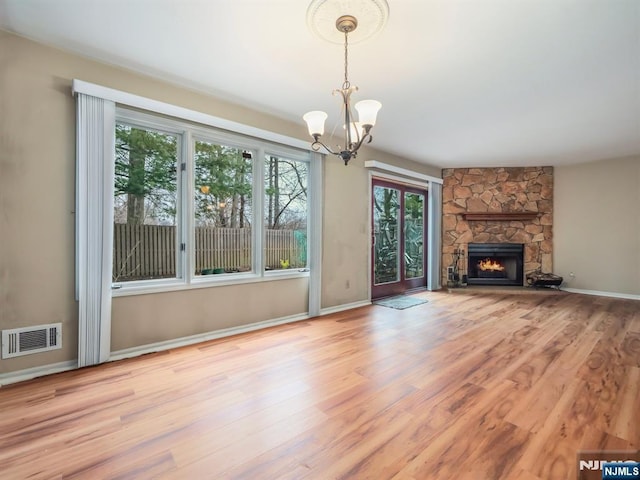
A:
x: 346, y: 60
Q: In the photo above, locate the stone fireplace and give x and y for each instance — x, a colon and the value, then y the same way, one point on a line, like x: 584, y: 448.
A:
x: 490, y: 206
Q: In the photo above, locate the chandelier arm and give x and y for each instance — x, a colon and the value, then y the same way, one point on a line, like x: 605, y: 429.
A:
x: 315, y: 146
x: 359, y: 144
x: 366, y: 136
x: 347, y: 123
x: 348, y: 114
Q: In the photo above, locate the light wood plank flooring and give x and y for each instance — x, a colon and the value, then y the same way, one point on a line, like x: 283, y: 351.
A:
x: 469, y: 385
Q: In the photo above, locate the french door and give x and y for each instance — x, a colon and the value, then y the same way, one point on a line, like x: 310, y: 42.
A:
x: 398, y: 249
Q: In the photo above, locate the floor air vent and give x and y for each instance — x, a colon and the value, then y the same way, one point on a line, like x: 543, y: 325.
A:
x: 23, y: 341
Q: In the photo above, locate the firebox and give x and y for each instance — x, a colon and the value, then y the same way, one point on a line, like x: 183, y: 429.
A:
x: 495, y: 264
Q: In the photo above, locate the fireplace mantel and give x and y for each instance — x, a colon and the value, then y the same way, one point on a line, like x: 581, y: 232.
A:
x: 500, y: 216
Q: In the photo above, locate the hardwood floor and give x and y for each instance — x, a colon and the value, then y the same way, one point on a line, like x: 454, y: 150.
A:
x: 469, y: 385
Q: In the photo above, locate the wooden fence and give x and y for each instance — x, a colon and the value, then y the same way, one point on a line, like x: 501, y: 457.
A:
x: 149, y: 251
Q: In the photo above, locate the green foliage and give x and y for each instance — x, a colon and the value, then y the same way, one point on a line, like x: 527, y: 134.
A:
x: 414, y: 235
x: 414, y: 206
x: 385, y: 211
x: 146, y: 183
x: 146, y: 173
x: 223, y: 169
x: 223, y: 185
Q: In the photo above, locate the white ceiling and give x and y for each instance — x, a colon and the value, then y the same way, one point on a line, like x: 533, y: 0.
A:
x: 462, y: 82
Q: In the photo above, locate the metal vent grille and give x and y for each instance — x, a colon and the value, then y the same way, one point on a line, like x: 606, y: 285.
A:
x: 23, y: 341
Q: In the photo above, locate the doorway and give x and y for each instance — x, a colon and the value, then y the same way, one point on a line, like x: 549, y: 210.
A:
x: 398, y: 219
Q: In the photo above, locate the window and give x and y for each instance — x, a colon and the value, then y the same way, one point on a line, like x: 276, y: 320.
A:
x: 285, y: 213
x: 222, y: 208
x: 101, y: 115
x: 187, y: 203
x: 145, y: 204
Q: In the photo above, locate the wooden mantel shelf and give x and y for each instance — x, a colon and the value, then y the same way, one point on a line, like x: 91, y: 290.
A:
x: 498, y: 216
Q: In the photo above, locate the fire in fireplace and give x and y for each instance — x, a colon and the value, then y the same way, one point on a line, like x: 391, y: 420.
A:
x: 491, y: 268
x: 495, y: 264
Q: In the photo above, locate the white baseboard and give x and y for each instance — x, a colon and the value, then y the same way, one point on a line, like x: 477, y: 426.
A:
x: 346, y: 306
x: 628, y: 296
x: 31, y: 373
x: 227, y: 332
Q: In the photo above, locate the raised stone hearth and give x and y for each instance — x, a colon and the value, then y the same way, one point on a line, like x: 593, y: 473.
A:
x: 518, y: 208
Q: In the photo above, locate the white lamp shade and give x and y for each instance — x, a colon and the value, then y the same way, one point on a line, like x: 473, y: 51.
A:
x: 315, y: 122
x: 368, y: 111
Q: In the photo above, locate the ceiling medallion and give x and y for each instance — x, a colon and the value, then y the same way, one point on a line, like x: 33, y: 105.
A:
x: 372, y: 16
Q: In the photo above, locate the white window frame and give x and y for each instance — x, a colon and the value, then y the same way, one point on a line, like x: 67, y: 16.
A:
x: 187, y: 134
x: 188, y: 124
x: 286, y: 154
x: 138, y: 119
x: 198, y: 134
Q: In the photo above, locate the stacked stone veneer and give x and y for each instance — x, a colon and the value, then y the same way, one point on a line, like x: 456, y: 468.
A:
x: 498, y: 190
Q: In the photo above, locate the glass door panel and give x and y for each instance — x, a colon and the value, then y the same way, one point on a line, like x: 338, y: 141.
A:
x: 413, y: 235
x: 386, y: 228
x: 398, y: 242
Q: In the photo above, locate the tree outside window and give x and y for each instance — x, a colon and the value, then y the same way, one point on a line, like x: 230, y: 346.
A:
x: 154, y: 237
x: 222, y: 207
x: 145, y: 203
x: 285, y: 213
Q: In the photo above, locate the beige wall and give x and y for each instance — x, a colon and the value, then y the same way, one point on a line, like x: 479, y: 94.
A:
x: 597, y: 225
x: 37, y: 183
x: 347, y: 204
x: 146, y: 319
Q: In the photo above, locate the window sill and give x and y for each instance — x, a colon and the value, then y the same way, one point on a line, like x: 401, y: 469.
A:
x: 199, y: 282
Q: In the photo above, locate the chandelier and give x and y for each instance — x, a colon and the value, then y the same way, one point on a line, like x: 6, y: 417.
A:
x: 356, y: 133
